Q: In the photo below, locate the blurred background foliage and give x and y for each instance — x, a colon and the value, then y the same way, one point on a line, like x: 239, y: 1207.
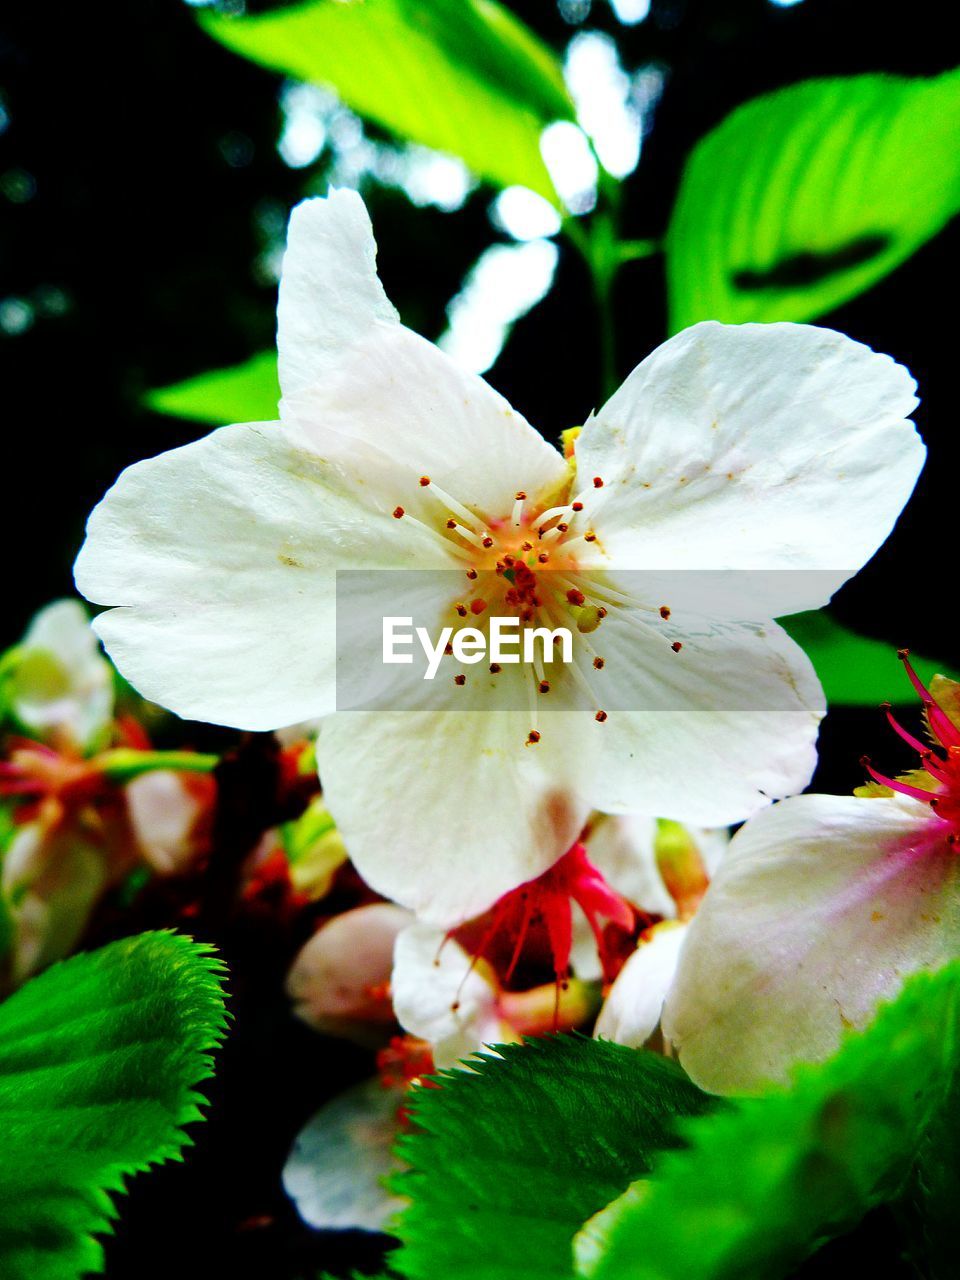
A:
x: 146, y: 173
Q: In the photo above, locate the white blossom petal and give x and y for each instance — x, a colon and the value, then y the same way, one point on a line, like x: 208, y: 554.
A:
x: 167, y: 812
x: 445, y: 812
x: 395, y: 392
x: 822, y: 906
x: 53, y: 878
x: 334, y: 976
x: 753, y: 447
x: 633, y: 1006
x: 62, y: 687
x: 706, y: 735
x: 335, y: 1173
x: 622, y: 847
x: 439, y: 997
x: 223, y: 554
x: 330, y: 294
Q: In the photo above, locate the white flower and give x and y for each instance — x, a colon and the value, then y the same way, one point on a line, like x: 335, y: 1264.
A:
x: 821, y: 908
x: 60, y: 687
x: 442, y: 997
x: 665, y: 869
x: 339, y: 981
x: 52, y: 874
x: 336, y: 1173
x: 632, y: 1009
x: 170, y: 817
x: 456, y: 1003
x: 765, y: 448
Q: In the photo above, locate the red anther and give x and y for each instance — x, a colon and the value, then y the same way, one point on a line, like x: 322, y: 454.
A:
x: 589, y: 537
x: 563, y: 527
x: 520, y: 496
x: 577, y: 506
x: 543, y: 557
x: 533, y: 737
x: 495, y: 668
x: 599, y: 664
x: 664, y: 611
x: 477, y: 606
x: 424, y: 481
x: 575, y: 596
x: 398, y: 513
x: 543, y: 686
x: 597, y: 482
x: 600, y: 716
x: 487, y: 541
x: 448, y: 649
x: 601, y: 612
x: 461, y: 610
x: 460, y: 680
x: 472, y: 574
x: 676, y: 646
x: 451, y: 523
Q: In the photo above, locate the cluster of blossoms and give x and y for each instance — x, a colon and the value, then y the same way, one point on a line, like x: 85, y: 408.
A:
x: 84, y: 799
x: 510, y: 877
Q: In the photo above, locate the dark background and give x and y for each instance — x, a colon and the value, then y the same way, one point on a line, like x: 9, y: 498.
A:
x: 131, y: 230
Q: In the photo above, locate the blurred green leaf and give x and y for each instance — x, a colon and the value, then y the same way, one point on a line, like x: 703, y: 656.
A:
x: 247, y: 392
x: 462, y: 76
x: 761, y: 1185
x: 804, y: 198
x: 99, y: 1057
x: 929, y: 1207
x: 856, y: 670
x: 509, y: 1159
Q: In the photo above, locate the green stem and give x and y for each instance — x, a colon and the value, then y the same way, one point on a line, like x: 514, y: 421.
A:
x: 603, y: 288
x: 123, y: 764
x: 604, y: 255
x: 633, y: 250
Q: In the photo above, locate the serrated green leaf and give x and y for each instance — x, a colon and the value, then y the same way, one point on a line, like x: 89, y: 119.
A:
x: 761, y: 1185
x: 461, y: 76
x: 856, y: 670
x: 507, y: 1162
x: 928, y: 1210
x: 247, y: 392
x: 99, y: 1059
x: 804, y: 198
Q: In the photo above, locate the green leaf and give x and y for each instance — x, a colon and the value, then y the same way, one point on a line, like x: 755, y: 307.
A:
x: 461, y: 76
x: 853, y: 669
x: 804, y: 198
x: 761, y: 1185
x: 247, y: 392
x: 99, y: 1057
x: 928, y: 1210
x: 507, y: 1161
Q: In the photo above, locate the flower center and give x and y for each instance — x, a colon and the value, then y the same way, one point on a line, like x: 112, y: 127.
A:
x: 538, y: 564
x: 533, y: 924
x: 937, y: 782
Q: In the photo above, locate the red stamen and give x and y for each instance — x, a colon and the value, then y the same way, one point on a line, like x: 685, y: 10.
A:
x: 905, y: 788
x: 547, y: 904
